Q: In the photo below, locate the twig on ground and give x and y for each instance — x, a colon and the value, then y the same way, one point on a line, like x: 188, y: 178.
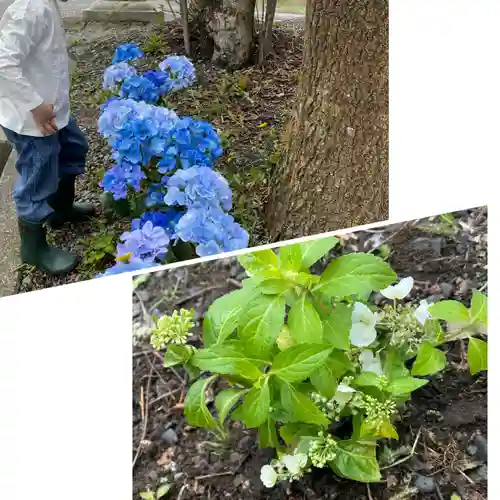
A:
x: 466, y: 476
x: 215, y: 474
x: 184, y: 486
x: 199, y: 293
x: 392, y: 235
x: 438, y: 491
x: 147, y: 316
x: 368, y: 492
x: 146, y: 415
x: 410, y: 455
x: 234, y: 282
x: 483, y: 287
x: 169, y: 393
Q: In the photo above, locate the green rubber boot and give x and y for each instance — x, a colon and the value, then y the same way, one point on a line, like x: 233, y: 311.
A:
x: 65, y: 208
x: 36, y: 251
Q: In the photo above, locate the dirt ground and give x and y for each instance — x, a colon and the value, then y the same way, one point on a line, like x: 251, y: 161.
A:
x: 446, y: 420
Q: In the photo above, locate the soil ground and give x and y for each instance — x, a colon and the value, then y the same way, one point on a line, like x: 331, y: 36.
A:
x: 447, y: 419
x: 249, y: 107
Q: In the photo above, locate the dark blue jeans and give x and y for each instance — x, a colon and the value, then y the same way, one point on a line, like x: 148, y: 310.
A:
x: 41, y: 162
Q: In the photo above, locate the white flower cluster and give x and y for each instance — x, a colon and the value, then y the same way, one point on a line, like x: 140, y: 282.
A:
x: 322, y: 450
x: 172, y: 329
x: 289, y: 468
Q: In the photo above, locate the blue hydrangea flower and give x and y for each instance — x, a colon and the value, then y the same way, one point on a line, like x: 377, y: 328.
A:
x: 148, y: 243
x: 155, y: 196
x: 212, y: 230
x: 117, y: 73
x: 117, y: 179
x: 167, y: 220
x: 127, y: 52
x: 140, y: 88
x: 199, y: 186
x: 160, y: 79
x: 182, y: 72
x: 125, y: 267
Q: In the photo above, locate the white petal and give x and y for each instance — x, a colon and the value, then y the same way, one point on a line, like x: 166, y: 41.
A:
x: 345, y: 388
x: 268, y: 476
x: 295, y: 463
x: 362, y: 335
x: 399, y: 291
x: 362, y: 314
x: 370, y: 363
x: 343, y: 397
x: 421, y: 312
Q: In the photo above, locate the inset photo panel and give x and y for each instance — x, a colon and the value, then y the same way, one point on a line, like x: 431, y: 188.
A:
x: 350, y: 366
x: 128, y: 144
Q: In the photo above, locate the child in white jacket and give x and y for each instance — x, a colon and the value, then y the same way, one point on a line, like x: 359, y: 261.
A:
x: 35, y: 116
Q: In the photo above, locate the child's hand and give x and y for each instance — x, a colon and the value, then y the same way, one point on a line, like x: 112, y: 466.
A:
x: 45, y: 118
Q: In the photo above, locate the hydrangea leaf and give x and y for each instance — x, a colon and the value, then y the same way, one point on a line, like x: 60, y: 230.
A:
x: 313, y: 250
x: 290, y: 258
x: 268, y: 435
x: 195, y: 407
x: 304, y: 323
x: 229, y: 359
x: 261, y: 322
x: 258, y: 262
x: 225, y: 401
x: 405, y: 385
x: 177, y: 355
x: 479, y: 309
x: 336, y: 327
x: 299, y: 362
x: 357, y: 461
x: 429, y: 360
x: 451, y: 311
x: 477, y: 355
x: 355, y: 274
x: 254, y: 410
x: 300, y: 408
x: 222, y: 316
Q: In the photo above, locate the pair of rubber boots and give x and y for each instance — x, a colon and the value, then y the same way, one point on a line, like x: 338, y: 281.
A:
x: 34, y: 247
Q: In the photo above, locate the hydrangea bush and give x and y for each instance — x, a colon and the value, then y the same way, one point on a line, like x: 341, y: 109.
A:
x: 164, y: 165
x: 313, y: 365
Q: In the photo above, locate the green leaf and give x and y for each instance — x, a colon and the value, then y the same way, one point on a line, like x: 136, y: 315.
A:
x: 225, y: 401
x: 354, y: 274
x: 357, y: 461
x: 268, y: 435
x: 429, y: 360
x: 405, y: 385
x: 274, y: 286
x: 394, y: 366
x: 451, y: 311
x: 229, y: 359
x: 336, y: 327
x: 222, y: 316
x: 254, y: 410
x: 261, y: 322
x: 162, y: 490
x: 367, y: 379
x: 479, y: 309
x: 291, y: 433
x: 257, y: 262
x: 477, y: 355
x: 147, y: 495
x: 325, y: 381
x: 300, y: 408
x: 369, y: 428
x: 304, y: 323
x: 195, y: 408
x: 290, y: 258
x: 298, y: 362
x: 313, y: 250
x: 177, y: 355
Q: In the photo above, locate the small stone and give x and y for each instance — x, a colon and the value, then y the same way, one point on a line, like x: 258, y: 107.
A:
x: 425, y: 484
x: 179, y: 475
x: 480, y: 474
x: 170, y: 437
x: 482, y: 448
x: 446, y: 290
x: 235, y: 457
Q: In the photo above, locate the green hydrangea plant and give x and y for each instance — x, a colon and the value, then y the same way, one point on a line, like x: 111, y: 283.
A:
x: 302, y: 352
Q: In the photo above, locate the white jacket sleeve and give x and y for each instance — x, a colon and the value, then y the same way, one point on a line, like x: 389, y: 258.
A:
x: 20, y: 33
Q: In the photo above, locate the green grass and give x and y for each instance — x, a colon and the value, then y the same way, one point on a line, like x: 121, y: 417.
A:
x: 292, y: 6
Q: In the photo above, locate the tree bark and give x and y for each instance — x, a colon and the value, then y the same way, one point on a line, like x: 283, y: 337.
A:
x: 334, y: 171
x: 226, y: 29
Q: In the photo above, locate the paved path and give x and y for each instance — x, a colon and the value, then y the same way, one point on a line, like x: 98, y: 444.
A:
x: 74, y: 9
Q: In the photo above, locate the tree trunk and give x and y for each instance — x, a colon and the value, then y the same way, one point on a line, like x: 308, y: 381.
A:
x: 226, y: 28
x: 334, y: 172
